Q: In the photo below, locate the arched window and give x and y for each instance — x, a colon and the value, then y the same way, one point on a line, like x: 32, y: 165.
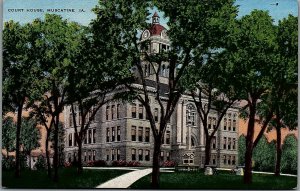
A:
x: 191, y: 115
x: 193, y: 142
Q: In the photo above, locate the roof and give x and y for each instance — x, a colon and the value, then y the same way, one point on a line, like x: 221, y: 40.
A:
x: 155, y: 14
x: 156, y: 29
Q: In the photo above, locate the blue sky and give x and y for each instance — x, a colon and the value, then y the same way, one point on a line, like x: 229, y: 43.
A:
x: 284, y: 8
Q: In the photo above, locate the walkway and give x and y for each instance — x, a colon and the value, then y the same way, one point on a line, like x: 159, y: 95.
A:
x: 125, y: 180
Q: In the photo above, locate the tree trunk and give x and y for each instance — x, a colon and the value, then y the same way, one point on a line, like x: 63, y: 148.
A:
x: 79, y: 161
x: 207, y: 151
x: 155, y: 164
x: 249, y: 145
x: 47, y: 154
x: 278, y: 151
x: 55, y: 157
x: 18, y: 132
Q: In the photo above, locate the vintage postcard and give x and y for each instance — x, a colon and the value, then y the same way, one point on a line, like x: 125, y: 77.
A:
x: 149, y: 94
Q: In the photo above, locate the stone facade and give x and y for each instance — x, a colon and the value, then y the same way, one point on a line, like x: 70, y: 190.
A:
x: 121, y: 131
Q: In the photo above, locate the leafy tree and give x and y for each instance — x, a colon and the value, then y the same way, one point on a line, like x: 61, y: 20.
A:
x: 289, y: 155
x: 8, y: 134
x: 121, y: 22
x: 264, y: 155
x: 241, y: 149
x: 30, y: 136
x: 250, y: 56
x: 57, y: 47
x: 20, y: 72
x: 90, y: 81
x: 40, y: 163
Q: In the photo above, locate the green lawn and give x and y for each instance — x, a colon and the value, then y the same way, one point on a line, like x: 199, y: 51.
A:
x: 224, y: 180
x: 67, y: 178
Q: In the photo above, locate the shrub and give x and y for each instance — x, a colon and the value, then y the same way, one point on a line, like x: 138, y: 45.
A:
x: 119, y: 163
x: 133, y: 163
x: 289, y: 155
x: 40, y: 163
x: 169, y: 163
x: 8, y: 163
x: 67, y: 164
x: 99, y: 163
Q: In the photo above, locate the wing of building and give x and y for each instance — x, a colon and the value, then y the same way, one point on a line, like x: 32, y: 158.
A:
x: 121, y: 131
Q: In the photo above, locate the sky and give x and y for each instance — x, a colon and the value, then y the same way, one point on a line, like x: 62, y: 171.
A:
x: 20, y: 10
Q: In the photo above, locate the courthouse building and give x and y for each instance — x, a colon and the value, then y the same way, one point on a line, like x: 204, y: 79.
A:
x: 121, y: 131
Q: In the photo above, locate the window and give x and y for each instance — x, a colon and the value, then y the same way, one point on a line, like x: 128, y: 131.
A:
x: 85, y: 139
x: 161, y: 155
x: 213, y: 159
x: 140, y: 154
x: 107, y: 135
x: 140, y: 134
x: 147, y: 135
x: 229, y: 125
x: 147, y: 155
x: 133, y: 154
x: 112, y: 112
x: 94, y: 155
x: 209, y: 123
x: 141, y: 114
x: 94, y: 135
x: 191, y: 113
x: 234, y: 144
x: 118, y: 154
x: 71, y: 120
x: 192, y: 142
x: 133, y: 111
x: 233, y: 160
x: 118, y: 111
x: 75, y: 156
x: 214, y: 142
x: 224, y: 157
x: 118, y: 133
x: 107, y: 112
x: 69, y: 157
x: 229, y: 143
x: 133, y: 133
x: 224, y: 143
x: 85, y: 156
x: 70, y: 139
x: 168, y: 137
x: 234, y: 125
x: 113, y: 154
x: 225, y: 124
x: 168, y: 156
x: 156, y: 114
x: 90, y: 155
x: 112, y: 134
x: 79, y: 120
x: 229, y: 160
x: 214, y: 122
x: 107, y: 155
x: 90, y: 136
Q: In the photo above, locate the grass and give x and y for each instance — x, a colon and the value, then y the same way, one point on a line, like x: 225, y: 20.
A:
x: 224, y: 180
x: 68, y: 178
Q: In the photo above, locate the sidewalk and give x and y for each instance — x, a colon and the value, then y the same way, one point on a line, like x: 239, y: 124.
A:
x: 125, y: 180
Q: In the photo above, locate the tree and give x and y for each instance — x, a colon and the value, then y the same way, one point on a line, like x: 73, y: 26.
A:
x: 289, y: 154
x: 282, y: 94
x: 90, y: 81
x: 8, y: 135
x: 30, y: 137
x: 122, y: 21
x: 20, y: 72
x: 251, y: 55
x: 57, y: 47
x: 264, y: 155
x: 61, y: 142
x: 241, y: 149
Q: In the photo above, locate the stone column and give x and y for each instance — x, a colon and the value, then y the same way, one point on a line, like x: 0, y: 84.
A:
x: 179, y: 121
x: 184, y: 126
